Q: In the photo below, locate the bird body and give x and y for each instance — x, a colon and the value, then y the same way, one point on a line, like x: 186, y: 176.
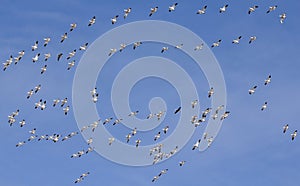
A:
x: 252, y: 90
x: 252, y: 9
x: 92, y: 21
x: 153, y: 10
x: 223, y: 8
x: 172, y: 7
x: 285, y: 128
x: 294, y: 134
x: 202, y: 11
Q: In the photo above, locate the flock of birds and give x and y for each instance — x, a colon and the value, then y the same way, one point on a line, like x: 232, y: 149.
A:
x: 157, y: 151
x: 252, y: 90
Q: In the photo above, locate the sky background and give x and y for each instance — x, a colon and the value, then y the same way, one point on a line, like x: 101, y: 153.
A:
x: 250, y: 148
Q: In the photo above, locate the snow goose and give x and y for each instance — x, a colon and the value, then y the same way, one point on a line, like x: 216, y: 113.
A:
x: 181, y: 163
x: 271, y: 8
x: 21, y: 143
x: 36, y: 58
x: 63, y: 102
x: 92, y: 21
x: 268, y: 80
x: 177, y: 110
x: 71, y: 54
x: 294, y: 134
x: 114, y: 19
x: 252, y: 38
x: 47, y: 56
x: 46, y: 41
x: 172, y: 7
x: 110, y: 140
x: 83, y: 47
x: 194, y: 103
x: 252, y: 90
x: 22, y: 123
x: 137, y: 143
x: 126, y: 12
x: 282, y: 17
x: 264, y: 106
x: 133, y: 113
x: 199, y: 47
x: 196, y: 145
x: 153, y: 10
x: 165, y: 129
x: 59, y: 56
x: 223, y: 8
x: 64, y: 37
x: 72, y: 26
x: 285, y: 128
x: 164, y: 49
x: 29, y: 93
x: 136, y: 44
x: 43, y: 69
x: 71, y: 64
x: 66, y: 109
x: 210, y: 92
x: 216, y: 44
x: 157, y: 136
x: 202, y: 11
x: 252, y: 9
x: 35, y: 46
x: 237, y: 40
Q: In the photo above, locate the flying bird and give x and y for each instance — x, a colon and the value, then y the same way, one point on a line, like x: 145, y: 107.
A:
x: 264, y: 106
x: 36, y: 58
x: 47, y: 56
x: 46, y: 41
x: 64, y: 37
x: 114, y: 19
x: 282, y: 17
x: 165, y: 129
x: 35, y: 46
x: 153, y: 10
x: 172, y: 7
x: 271, y: 8
x: 252, y: 90
x: 196, y: 145
x: 237, y: 40
x: 71, y: 54
x: 294, y: 134
x: 71, y: 64
x: 59, y: 56
x: 72, y: 26
x: 177, y: 110
x: 194, y: 103
x: 126, y: 12
x: 285, y: 128
x: 216, y: 44
x: 252, y: 9
x: 157, y: 136
x: 210, y: 92
x: 202, y: 11
x: 252, y: 38
x: 223, y: 8
x: 136, y: 44
x: 30, y: 93
x: 164, y: 49
x: 92, y: 21
x: 43, y: 69
x: 181, y: 163
x: 83, y: 47
x: 268, y: 80
x: 199, y: 47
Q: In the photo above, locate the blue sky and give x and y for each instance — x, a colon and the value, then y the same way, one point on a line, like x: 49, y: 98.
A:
x: 250, y: 148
